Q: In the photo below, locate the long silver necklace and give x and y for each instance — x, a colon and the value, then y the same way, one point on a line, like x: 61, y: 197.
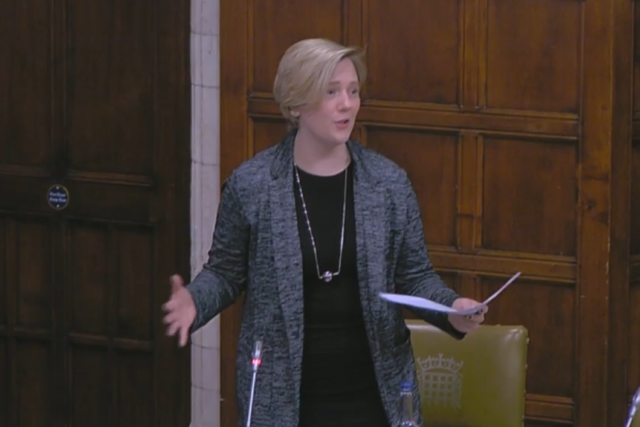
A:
x: 327, y: 276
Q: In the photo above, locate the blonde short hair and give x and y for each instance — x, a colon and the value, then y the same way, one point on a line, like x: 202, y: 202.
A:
x: 304, y: 72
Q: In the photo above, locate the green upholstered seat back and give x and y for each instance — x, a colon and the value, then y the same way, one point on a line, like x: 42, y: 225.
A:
x: 475, y: 382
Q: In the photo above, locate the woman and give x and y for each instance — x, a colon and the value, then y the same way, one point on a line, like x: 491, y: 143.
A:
x: 312, y: 230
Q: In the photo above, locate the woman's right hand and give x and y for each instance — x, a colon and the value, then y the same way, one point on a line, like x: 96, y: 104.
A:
x: 180, y: 309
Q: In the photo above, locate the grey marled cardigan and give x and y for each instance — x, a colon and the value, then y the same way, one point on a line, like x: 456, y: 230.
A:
x: 256, y: 250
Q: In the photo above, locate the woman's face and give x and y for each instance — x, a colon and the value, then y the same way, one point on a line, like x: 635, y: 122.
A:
x: 331, y: 121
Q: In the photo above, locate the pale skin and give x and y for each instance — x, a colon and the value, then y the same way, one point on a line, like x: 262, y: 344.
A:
x: 320, y: 149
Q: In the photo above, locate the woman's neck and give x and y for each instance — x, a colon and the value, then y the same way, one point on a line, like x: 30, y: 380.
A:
x: 318, y: 159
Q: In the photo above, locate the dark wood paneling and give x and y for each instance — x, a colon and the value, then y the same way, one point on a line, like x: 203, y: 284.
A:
x: 402, y: 71
x: 267, y: 133
x: 134, y: 306
x: 25, y: 54
x: 118, y: 100
x: 5, y: 384
x: 547, y: 411
x: 618, y: 361
x: 269, y: 38
x: 135, y: 383
x: 632, y: 347
x: 413, y: 115
x: 529, y: 196
x: 90, y: 373
x: 89, y: 286
x: 547, y: 309
x: 33, y: 248
x: 635, y: 198
x: 34, y: 384
x: 98, y: 102
x: 603, y: 274
x: 636, y: 62
x: 512, y: 119
x: 533, y: 55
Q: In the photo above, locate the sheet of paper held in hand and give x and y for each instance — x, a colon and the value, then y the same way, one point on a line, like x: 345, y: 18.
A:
x: 430, y: 305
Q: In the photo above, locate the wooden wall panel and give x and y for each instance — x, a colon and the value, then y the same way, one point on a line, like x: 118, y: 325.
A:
x: 26, y: 89
x: 133, y: 381
x: 33, y: 247
x: 267, y: 132
x: 547, y: 309
x: 123, y: 145
x: 512, y: 119
x: 633, y: 332
x: 89, y: 305
x: 636, y: 64
x: 95, y: 98
x: 529, y: 196
x: 632, y: 347
x: 134, y: 306
x: 5, y: 369
x: 33, y: 405
x: 419, y: 62
x: 635, y: 198
x: 532, y: 54
x: 90, y: 372
x: 269, y: 38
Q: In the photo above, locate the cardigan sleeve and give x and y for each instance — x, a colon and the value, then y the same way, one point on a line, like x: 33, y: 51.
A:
x: 414, y: 274
x: 224, y: 275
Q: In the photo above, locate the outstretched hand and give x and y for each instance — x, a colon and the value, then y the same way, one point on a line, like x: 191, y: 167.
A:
x: 466, y: 324
x: 180, y: 309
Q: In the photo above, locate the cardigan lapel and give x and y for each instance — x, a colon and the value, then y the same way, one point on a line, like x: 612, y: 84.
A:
x: 287, y: 254
x: 372, y: 225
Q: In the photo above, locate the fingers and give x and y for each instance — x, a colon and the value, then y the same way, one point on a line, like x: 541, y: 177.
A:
x: 472, y: 321
x: 172, y: 317
x: 184, y: 336
x: 478, y: 315
x: 175, y: 321
x: 180, y: 328
x: 173, y: 328
x: 177, y: 283
x: 477, y: 318
x: 170, y: 306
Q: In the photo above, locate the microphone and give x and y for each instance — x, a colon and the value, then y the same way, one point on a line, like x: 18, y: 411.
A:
x: 633, y: 410
x: 256, y: 360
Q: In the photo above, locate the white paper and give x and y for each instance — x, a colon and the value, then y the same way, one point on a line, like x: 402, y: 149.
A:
x: 430, y: 305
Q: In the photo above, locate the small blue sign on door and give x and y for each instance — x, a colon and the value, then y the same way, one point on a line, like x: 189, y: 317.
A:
x: 58, y: 197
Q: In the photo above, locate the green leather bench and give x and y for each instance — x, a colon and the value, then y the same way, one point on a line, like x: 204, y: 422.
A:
x: 479, y: 381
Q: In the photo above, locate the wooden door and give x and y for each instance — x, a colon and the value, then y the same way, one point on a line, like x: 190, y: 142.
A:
x: 94, y: 199
x: 512, y: 118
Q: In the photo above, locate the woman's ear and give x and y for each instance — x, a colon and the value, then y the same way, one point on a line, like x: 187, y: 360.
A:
x: 295, y: 113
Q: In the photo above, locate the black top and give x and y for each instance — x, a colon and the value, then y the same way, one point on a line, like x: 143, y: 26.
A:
x: 338, y: 381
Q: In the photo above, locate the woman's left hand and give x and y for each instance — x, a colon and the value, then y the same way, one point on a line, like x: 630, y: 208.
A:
x: 466, y: 324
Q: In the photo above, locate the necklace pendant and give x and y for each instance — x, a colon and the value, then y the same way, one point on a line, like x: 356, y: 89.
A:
x: 327, y: 276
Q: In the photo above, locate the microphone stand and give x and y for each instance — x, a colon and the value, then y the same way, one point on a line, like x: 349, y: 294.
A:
x: 256, y: 360
x: 633, y: 410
